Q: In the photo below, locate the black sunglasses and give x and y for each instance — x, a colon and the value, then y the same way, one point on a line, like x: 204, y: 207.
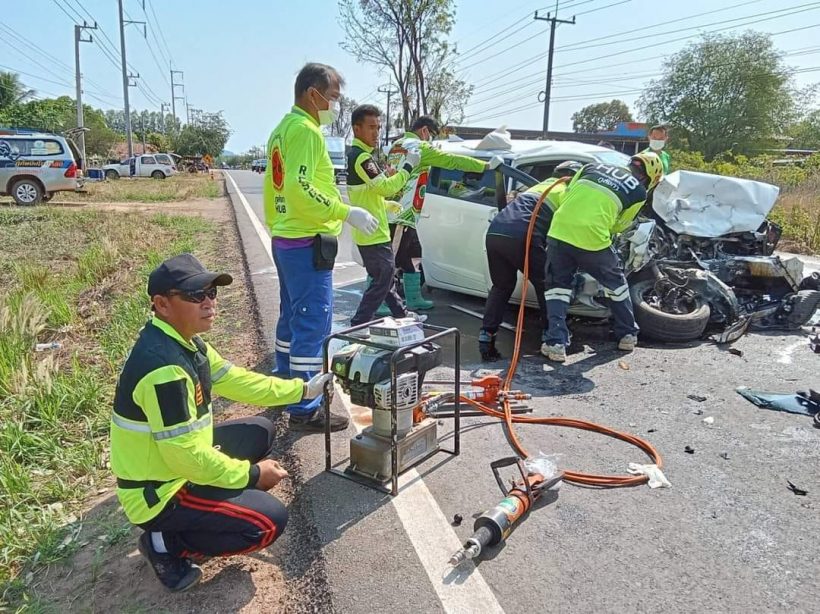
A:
x: 195, y: 296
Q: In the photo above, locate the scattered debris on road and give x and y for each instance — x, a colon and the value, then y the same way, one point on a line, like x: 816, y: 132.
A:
x: 735, y: 352
x: 623, y: 365
x: 796, y: 490
x: 709, y: 420
x: 724, y: 455
x: 802, y: 403
x: 689, y: 450
x: 696, y: 397
x: 457, y: 520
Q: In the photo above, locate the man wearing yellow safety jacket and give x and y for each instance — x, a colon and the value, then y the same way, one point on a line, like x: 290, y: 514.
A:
x: 422, y: 132
x: 196, y: 490
x: 367, y: 187
x: 601, y: 200
x: 304, y: 213
x: 506, y: 244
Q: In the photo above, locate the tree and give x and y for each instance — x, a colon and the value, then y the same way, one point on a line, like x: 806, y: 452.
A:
x: 59, y: 115
x: 341, y: 127
x: 408, y: 40
x: 205, y: 137
x: 12, y: 91
x: 725, y: 92
x: 601, y: 117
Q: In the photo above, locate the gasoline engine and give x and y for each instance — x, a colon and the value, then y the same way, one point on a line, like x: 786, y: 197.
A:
x: 364, y: 372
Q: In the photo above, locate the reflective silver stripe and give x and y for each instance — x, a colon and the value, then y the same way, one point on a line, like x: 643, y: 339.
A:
x: 305, y: 368
x: 185, y: 428
x: 306, y: 361
x: 558, y: 294
x: 618, y: 294
x: 222, y: 372
x: 284, y: 344
x: 139, y: 427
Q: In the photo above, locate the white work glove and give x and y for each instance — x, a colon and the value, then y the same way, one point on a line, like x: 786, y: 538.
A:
x: 411, y: 160
x: 362, y: 220
x: 656, y: 477
x: 316, y: 385
x: 495, y: 162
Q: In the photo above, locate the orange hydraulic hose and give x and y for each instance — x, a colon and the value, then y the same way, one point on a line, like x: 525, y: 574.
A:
x: 570, y: 476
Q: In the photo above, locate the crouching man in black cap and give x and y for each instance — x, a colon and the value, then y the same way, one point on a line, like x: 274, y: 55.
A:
x: 196, y: 490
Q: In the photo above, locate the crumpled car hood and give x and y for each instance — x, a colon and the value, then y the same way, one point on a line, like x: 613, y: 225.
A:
x: 704, y: 205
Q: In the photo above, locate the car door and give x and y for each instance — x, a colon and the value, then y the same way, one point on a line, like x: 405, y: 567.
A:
x: 148, y: 164
x: 458, y: 207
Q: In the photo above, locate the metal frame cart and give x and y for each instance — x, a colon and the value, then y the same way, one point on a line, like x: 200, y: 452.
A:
x: 396, y: 354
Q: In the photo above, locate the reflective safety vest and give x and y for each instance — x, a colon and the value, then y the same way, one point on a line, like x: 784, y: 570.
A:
x: 601, y: 200
x: 367, y: 187
x: 162, y: 423
x: 300, y: 194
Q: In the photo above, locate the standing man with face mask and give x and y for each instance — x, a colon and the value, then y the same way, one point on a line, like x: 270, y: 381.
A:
x: 658, y: 136
x: 304, y: 213
x: 423, y: 130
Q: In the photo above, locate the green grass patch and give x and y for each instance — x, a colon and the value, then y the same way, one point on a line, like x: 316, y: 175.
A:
x: 77, y: 278
x: 146, y: 190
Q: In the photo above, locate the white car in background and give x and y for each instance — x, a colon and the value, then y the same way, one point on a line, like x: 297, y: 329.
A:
x: 156, y: 166
x: 459, y: 206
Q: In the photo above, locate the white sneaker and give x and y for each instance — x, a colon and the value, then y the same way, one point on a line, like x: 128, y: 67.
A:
x: 627, y: 343
x: 555, y: 353
x: 418, y: 317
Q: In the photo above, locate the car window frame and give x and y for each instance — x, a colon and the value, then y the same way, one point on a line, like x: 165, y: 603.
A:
x: 435, y: 178
x: 142, y: 160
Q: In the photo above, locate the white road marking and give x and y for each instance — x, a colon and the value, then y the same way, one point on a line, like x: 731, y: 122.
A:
x: 434, y: 540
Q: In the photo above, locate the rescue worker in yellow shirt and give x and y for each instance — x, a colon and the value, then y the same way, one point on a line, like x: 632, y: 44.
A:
x: 304, y: 213
x: 602, y: 200
x: 367, y: 187
x: 196, y: 490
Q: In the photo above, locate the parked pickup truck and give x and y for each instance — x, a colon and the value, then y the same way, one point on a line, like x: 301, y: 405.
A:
x: 139, y: 166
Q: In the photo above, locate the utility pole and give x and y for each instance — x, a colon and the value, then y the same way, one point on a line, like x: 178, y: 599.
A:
x: 142, y: 125
x: 78, y: 38
x: 548, y: 88
x: 126, y: 78
x: 389, y: 91
x: 174, y: 96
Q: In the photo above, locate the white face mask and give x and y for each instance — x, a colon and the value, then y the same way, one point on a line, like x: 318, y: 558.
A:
x: 656, y: 144
x: 331, y: 114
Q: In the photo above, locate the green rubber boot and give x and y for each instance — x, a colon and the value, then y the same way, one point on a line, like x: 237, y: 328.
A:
x: 412, y: 293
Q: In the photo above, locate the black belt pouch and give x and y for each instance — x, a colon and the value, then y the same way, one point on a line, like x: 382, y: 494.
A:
x: 325, y: 248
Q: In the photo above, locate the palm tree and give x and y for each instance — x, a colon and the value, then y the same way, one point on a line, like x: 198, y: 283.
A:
x: 12, y: 91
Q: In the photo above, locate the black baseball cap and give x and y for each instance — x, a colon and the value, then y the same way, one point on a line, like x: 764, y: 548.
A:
x: 185, y: 273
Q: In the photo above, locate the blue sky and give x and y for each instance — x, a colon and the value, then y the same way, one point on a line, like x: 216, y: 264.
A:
x: 241, y: 57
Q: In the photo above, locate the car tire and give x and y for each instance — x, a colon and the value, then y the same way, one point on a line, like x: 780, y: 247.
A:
x: 661, y: 326
x: 157, y: 175
x: 112, y: 174
x: 804, y: 304
x: 27, y: 192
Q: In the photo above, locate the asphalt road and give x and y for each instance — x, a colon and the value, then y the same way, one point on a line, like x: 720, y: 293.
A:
x: 728, y: 536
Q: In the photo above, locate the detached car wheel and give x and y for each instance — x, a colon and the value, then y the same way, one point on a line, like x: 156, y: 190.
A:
x: 662, y: 326
x: 27, y: 192
x: 804, y: 304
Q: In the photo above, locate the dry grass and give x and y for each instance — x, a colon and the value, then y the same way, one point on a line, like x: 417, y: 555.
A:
x: 798, y: 212
x: 145, y: 190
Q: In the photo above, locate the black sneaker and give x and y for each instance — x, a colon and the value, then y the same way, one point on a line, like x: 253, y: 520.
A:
x: 175, y: 573
x: 316, y: 422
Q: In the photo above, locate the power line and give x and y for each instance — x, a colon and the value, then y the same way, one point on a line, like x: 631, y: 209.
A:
x: 639, y: 49
x: 159, y: 29
x: 581, y: 45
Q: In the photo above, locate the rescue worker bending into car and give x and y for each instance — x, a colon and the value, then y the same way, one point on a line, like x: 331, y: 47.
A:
x: 367, y: 187
x: 422, y: 131
x: 196, y: 490
x: 506, y: 243
x: 601, y: 200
